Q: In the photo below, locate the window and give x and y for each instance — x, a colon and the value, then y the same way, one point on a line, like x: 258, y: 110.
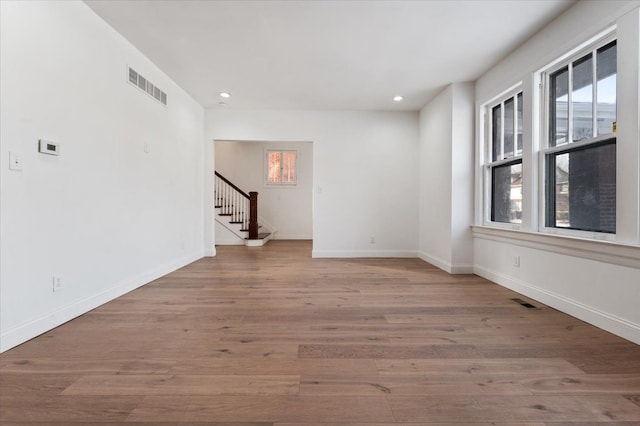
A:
x: 281, y: 167
x: 504, y: 170
x: 580, y: 157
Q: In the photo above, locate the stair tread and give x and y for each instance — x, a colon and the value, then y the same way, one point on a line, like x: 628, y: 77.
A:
x: 246, y: 230
x: 261, y: 236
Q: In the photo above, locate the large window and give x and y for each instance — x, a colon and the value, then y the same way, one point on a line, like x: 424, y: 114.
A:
x: 580, y: 156
x: 281, y: 167
x: 504, y: 169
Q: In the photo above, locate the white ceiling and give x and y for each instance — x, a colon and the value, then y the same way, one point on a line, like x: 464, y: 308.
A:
x: 349, y: 55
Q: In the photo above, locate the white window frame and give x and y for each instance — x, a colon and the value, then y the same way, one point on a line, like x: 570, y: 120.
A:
x: 545, y: 143
x: 489, y: 164
x: 280, y: 184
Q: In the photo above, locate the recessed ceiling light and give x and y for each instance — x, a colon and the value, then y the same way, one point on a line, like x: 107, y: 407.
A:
x: 225, y: 94
x: 398, y: 98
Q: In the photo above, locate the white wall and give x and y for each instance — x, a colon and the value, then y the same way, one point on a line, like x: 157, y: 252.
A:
x: 446, y: 179
x: 287, y: 208
x: 462, y: 180
x: 436, y: 124
x: 104, y: 215
x: 596, y: 281
x: 365, y: 173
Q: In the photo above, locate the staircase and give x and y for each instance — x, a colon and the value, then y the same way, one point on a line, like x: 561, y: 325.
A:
x: 238, y: 212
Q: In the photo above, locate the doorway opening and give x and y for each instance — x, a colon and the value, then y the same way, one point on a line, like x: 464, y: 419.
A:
x: 282, y: 175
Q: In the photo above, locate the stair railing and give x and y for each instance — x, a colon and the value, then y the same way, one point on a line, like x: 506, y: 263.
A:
x: 240, y: 206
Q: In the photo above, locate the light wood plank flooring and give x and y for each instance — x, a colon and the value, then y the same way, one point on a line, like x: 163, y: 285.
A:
x: 269, y: 336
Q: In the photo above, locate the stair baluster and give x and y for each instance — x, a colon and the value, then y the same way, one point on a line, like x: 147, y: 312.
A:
x: 237, y: 204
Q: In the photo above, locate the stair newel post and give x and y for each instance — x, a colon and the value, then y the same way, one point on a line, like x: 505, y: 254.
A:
x: 253, y: 215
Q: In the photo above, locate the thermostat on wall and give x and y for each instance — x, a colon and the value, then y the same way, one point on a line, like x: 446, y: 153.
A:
x: 48, y: 147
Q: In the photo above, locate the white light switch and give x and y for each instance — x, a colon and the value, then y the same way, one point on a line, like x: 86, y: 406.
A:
x: 15, y: 163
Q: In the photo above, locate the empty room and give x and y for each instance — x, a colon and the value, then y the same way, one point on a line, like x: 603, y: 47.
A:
x: 279, y: 213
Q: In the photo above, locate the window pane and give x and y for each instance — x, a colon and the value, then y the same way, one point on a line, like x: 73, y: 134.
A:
x: 496, y: 134
x: 289, y: 167
x: 559, y: 107
x: 606, y: 87
x: 274, y: 167
x: 506, y: 193
x: 508, y: 128
x: 519, y: 133
x: 582, y: 98
x: 584, y: 192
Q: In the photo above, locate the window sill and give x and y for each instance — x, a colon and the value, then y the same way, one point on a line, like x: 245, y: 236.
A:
x: 280, y: 185
x: 602, y: 251
x: 502, y: 226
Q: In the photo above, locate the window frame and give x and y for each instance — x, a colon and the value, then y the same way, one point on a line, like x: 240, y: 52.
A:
x: 280, y: 184
x: 546, y: 149
x: 489, y: 164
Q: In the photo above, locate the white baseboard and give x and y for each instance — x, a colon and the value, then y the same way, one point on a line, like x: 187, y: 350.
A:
x: 445, y: 266
x: 279, y: 236
x: 461, y: 269
x: 210, y: 252
x: 362, y: 253
x: 28, y: 330
x: 601, y: 319
x: 236, y: 242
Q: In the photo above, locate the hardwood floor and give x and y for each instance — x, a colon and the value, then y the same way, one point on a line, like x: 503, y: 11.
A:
x: 269, y: 336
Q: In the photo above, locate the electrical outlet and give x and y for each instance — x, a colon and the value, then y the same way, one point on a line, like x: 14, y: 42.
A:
x: 516, y: 261
x: 15, y: 162
x: 57, y: 284
x: 372, y: 240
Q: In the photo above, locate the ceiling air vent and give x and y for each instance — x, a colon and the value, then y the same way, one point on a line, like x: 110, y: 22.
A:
x: 142, y: 82
x: 133, y: 76
x: 146, y: 86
